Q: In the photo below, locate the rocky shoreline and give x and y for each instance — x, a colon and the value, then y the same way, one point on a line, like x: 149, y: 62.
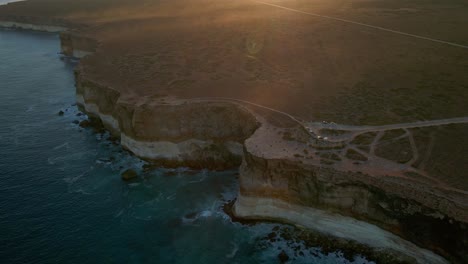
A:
x: 168, y: 131
x: 191, y: 142
x: 27, y: 26
x: 331, y: 224
x: 272, y: 182
x: 280, y: 179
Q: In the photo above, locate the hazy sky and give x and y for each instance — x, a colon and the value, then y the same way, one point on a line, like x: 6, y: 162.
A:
x: 8, y: 1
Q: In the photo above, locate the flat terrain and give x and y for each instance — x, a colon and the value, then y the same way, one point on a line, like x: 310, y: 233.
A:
x: 359, y: 62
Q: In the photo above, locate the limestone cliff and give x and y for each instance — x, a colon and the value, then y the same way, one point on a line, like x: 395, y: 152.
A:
x: 276, y: 182
x: 71, y: 43
x: 170, y: 131
x: 278, y: 179
x: 75, y: 45
x: 281, y: 178
x: 28, y: 26
x: 35, y: 23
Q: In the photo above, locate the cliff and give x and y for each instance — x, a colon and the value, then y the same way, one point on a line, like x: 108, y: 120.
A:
x: 289, y: 181
x: 72, y: 43
x: 170, y: 131
x: 29, y: 26
x: 75, y: 45
x: 283, y: 175
x: 38, y: 23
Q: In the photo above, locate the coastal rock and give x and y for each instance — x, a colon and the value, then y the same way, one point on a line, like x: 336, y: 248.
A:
x: 75, y: 45
x: 170, y: 132
x: 276, y: 185
x: 30, y: 26
x: 283, y: 257
x: 129, y: 175
x: 85, y: 124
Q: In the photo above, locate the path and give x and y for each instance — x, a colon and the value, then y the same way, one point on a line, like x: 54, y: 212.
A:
x: 363, y: 129
x: 351, y: 132
x: 366, y: 25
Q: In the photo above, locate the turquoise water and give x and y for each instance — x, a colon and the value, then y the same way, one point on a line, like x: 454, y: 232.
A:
x: 62, y: 199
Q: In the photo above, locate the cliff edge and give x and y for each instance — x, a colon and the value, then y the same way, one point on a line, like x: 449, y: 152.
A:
x: 241, y: 89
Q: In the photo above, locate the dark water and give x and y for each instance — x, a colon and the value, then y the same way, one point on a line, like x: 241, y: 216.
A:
x: 61, y: 196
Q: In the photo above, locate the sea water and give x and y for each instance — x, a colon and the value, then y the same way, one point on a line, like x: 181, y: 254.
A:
x: 62, y: 199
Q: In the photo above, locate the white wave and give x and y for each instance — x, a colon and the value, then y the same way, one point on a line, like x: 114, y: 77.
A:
x: 199, y: 180
x: 171, y: 197
x: 118, y: 214
x: 66, y: 144
x: 206, y: 214
x: 80, y: 191
x: 135, y: 184
x: 31, y: 108
x: 234, y: 250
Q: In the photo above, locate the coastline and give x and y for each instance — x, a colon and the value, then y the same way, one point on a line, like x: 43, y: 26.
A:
x: 176, y: 147
x: 185, y: 140
x: 334, y: 225
x: 26, y: 26
x: 174, y: 154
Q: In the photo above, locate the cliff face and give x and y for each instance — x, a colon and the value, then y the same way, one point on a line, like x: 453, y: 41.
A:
x: 170, y: 131
x: 275, y: 181
x: 47, y: 24
x: 278, y: 185
x: 75, y: 45
x: 71, y: 43
x: 29, y: 26
x: 165, y: 130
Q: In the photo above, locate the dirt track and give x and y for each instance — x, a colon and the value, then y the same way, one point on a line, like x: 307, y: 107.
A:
x: 366, y: 25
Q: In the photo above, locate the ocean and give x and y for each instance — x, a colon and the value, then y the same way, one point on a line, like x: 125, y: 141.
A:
x: 62, y: 199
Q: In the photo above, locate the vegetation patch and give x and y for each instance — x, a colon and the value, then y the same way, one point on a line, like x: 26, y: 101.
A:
x: 364, y: 139
x: 354, y: 155
x: 398, y: 150
x: 392, y: 134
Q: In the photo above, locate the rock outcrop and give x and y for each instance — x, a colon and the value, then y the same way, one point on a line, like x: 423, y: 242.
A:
x: 278, y: 183
x: 72, y: 43
x: 36, y: 23
x: 28, y: 26
x: 75, y: 45
x: 170, y: 131
x: 128, y: 175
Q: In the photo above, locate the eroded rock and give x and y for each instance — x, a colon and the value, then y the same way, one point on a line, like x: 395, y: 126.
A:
x: 129, y: 174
